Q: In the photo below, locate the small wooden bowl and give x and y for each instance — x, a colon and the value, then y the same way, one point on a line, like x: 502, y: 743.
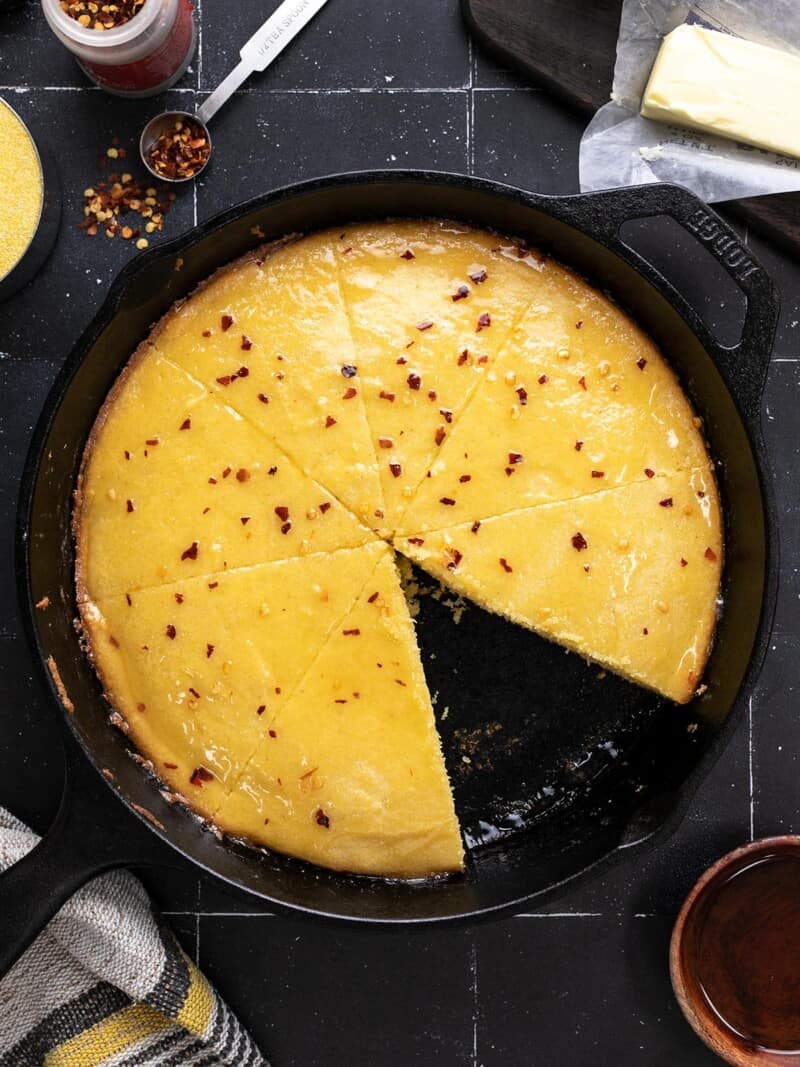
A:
x: 704, y: 1021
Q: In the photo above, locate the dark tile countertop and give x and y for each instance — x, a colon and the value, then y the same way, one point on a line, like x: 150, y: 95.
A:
x: 583, y: 982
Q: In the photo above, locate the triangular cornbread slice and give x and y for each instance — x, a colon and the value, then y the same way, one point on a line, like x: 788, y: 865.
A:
x: 431, y: 304
x: 579, y: 401
x: 627, y: 577
x: 270, y: 334
x: 352, y: 776
x: 199, y: 670
x: 177, y: 484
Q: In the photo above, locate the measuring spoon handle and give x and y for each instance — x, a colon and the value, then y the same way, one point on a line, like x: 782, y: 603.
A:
x: 266, y: 44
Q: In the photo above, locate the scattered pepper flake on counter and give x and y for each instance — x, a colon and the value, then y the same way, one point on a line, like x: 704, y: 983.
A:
x: 181, y: 151
x: 109, y: 199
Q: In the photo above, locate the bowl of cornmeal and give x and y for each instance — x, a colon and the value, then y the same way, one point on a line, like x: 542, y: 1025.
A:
x: 29, y: 207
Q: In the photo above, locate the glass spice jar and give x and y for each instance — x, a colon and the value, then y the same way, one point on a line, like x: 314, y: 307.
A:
x: 141, y: 57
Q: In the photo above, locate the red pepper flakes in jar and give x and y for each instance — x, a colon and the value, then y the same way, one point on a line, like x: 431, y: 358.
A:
x: 128, y: 47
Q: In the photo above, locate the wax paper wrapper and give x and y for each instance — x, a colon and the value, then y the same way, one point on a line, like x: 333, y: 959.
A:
x: 620, y: 147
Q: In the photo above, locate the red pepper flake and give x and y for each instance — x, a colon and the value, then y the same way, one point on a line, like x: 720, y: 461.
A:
x: 206, y: 333
x: 522, y: 393
x: 143, y: 707
x: 171, y: 632
x: 578, y: 324
x: 243, y: 475
x: 282, y: 512
x: 700, y: 494
x: 329, y: 421
x: 510, y: 471
x: 213, y: 585
x: 579, y: 542
x: 190, y: 552
x: 684, y: 562
x: 349, y: 370
x: 225, y: 379
x: 386, y: 442
x: 261, y: 709
x: 246, y: 344
x: 402, y: 359
x: 286, y: 527
x: 244, y: 520
x: 386, y: 396
x: 461, y: 293
x: 209, y: 651
x: 710, y: 554
x: 666, y: 502
x: 506, y: 565
x: 127, y: 454
x: 463, y: 357
x: 455, y: 558
x: 179, y: 598
x: 351, y: 633
x: 408, y: 254
x: 206, y: 511
x: 127, y: 597
x: 478, y: 276
x: 414, y: 381
x: 194, y: 692
x: 272, y: 733
x: 440, y: 434
x: 226, y: 472
x: 582, y: 383
x: 578, y: 446
x: 400, y: 681
x: 446, y: 414
x: 372, y: 599
x: 649, y: 473
x: 272, y: 470
x: 483, y: 359
x: 447, y: 501
x: 349, y: 393
x: 200, y: 775
x: 424, y: 325
x: 129, y: 506
x: 484, y: 320
x: 243, y: 372
x: 396, y: 469
x: 465, y: 478
x: 431, y: 394
x: 227, y: 322
x: 322, y: 819
x: 598, y: 474
x: 475, y: 526
x: 186, y: 424
x: 152, y: 441
x: 416, y: 540
x: 325, y: 506
x: 542, y: 379
x: 645, y: 631
x: 113, y: 641
x: 515, y: 457
x: 263, y: 398
x: 641, y: 363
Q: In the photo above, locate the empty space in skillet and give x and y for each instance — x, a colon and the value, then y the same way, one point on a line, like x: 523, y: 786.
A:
x: 576, y: 756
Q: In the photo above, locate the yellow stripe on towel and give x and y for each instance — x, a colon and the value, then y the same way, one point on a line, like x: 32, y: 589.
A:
x: 119, y: 1032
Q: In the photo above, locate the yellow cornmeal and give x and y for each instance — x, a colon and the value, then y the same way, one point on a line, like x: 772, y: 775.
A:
x: 443, y: 389
x: 20, y: 189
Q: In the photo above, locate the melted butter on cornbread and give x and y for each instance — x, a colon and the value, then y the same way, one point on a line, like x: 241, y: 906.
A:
x: 627, y: 578
x: 200, y: 669
x: 353, y: 777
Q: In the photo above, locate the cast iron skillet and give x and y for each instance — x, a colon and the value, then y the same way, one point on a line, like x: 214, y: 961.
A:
x: 580, y: 770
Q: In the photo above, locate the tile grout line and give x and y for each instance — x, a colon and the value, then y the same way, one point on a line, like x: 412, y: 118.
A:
x: 471, y: 108
x: 750, y: 767
x: 362, y: 89
x: 473, y: 966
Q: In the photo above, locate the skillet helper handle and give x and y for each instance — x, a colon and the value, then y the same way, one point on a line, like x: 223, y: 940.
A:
x: 77, y: 847
x: 743, y: 365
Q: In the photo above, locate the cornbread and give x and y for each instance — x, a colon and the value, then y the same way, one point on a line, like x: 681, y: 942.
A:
x: 418, y: 386
x: 21, y: 189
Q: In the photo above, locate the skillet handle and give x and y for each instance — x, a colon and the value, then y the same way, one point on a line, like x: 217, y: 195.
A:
x: 743, y: 365
x: 77, y: 847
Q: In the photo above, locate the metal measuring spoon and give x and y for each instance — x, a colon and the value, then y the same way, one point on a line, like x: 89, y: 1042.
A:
x: 265, y: 45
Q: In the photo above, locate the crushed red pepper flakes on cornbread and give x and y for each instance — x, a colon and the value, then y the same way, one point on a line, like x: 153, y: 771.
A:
x: 190, y: 552
x: 461, y: 293
x: 322, y: 819
x: 484, y: 320
x: 209, y: 651
x: 463, y: 357
x: 440, y: 434
x: 598, y: 474
x: 186, y: 424
x: 386, y: 396
x: 478, y: 275
x: 408, y: 254
x: 349, y: 370
x: 329, y: 421
x: 200, y: 775
x: 424, y: 325
x: 355, y: 632
x: 414, y: 381
x: 710, y: 554
x: 641, y: 363
x: 505, y: 565
x: 385, y: 442
x: 650, y: 473
x: 522, y: 393
x: 578, y: 446
x: 579, y: 542
x: 325, y: 506
x: 454, y: 558
x: 475, y: 526
x: 348, y: 394
x: 171, y: 632
x: 246, y: 344
x: 582, y: 383
x: 666, y: 502
x: 396, y: 469
x: 226, y: 322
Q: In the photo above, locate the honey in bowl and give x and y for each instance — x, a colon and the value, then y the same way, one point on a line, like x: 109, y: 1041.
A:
x: 21, y: 189
x: 739, y: 958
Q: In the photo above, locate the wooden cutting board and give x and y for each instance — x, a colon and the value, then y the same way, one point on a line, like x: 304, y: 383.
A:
x: 570, y: 47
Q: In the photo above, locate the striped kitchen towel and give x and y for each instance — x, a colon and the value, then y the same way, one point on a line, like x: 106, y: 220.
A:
x: 107, y: 984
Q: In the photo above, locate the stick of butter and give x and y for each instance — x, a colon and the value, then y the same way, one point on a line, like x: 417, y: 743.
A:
x: 727, y: 86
